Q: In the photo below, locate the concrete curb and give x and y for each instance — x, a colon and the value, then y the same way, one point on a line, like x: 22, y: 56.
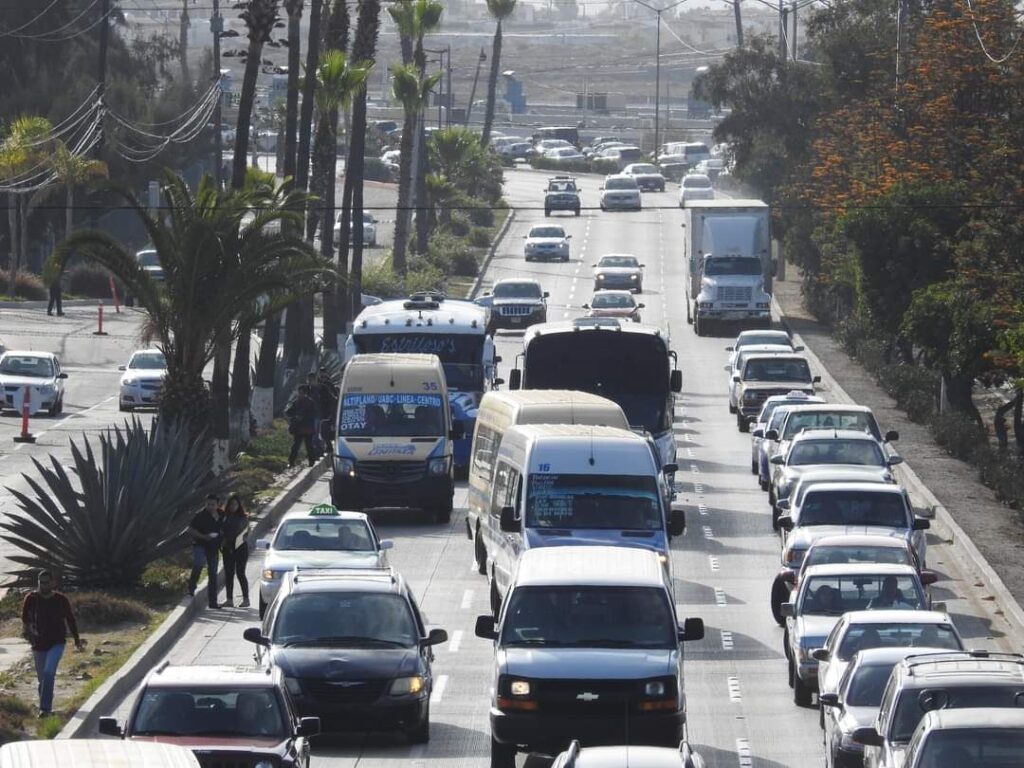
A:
x: 121, y: 683
x: 42, y: 304
x: 495, y: 243
x: 943, y: 525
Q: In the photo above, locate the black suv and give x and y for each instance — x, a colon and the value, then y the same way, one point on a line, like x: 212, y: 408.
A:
x: 515, y: 303
x: 225, y: 715
x: 354, y: 650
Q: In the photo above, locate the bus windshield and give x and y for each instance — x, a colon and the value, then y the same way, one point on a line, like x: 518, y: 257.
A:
x: 617, y: 502
x: 391, y: 414
x: 460, y: 353
x: 629, y: 369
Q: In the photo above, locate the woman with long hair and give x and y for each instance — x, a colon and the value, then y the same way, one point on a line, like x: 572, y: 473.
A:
x: 235, y: 548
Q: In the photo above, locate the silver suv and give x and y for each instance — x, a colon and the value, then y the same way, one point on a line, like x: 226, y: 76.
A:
x: 584, y: 636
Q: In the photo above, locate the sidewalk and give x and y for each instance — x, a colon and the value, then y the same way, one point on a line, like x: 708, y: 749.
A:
x: 994, y: 528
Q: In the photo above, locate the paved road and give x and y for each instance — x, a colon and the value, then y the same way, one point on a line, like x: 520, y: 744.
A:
x: 740, y: 705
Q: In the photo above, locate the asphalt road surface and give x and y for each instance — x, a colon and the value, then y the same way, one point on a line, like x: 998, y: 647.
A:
x: 740, y: 706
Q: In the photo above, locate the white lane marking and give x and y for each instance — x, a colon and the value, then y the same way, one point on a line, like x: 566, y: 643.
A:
x: 720, y: 598
x: 71, y: 416
x: 698, y: 489
x: 690, y: 454
x: 712, y: 560
x: 708, y: 533
x: 467, y: 599
x: 734, y: 690
x: 439, y: 685
x: 726, y: 640
x: 702, y: 508
x: 456, y: 642
x: 743, y: 753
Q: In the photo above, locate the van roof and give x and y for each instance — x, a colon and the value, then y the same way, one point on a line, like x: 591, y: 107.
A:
x: 590, y: 566
x: 573, y: 433
x: 94, y: 753
x: 964, y: 668
x: 451, y: 316
x: 726, y: 203
x: 392, y: 358
x: 592, y: 325
x: 553, y: 406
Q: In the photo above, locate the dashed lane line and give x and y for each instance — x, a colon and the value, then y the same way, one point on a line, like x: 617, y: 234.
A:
x: 720, y: 598
x: 467, y: 599
x: 743, y: 753
x: 439, y: 685
x: 735, y: 695
x: 726, y: 640
x: 456, y: 641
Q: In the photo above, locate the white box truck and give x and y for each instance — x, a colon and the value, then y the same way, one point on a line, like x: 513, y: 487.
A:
x: 727, y: 257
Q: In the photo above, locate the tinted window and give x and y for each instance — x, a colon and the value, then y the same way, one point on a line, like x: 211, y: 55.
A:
x: 345, y: 619
x: 618, y: 261
x: 853, y: 508
x: 732, y: 265
x: 214, y: 711
x: 976, y: 747
x: 858, y: 421
x: 324, y: 534
x: 627, y: 182
x: 861, y: 637
x: 755, y: 339
x: 391, y: 415
x: 612, y: 301
x: 517, y: 291
x: 867, y: 684
x: 836, y: 451
x: 913, y: 703
x: 148, y: 361
x: 617, y: 502
x: 855, y: 554
x: 36, y: 367
x: 696, y: 182
x: 777, y: 369
x: 589, y: 617
x: 485, y: 448
x: 547, y: 232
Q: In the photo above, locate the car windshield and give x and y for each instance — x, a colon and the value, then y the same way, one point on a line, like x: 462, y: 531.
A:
x: 851, y: 553
x: 562, y: 186
x: 629, y: 262
x: 612, y: 301
x: 348, y: 619
x: 26, y: 365
x: 391, y: 415
x: 858, y: 421
x: 976, y: 747
x: 836, y: 451
x: 776, y: 369
x: 210, y: 711
x: 861, y: 637
x: 643, y: 168
x: 696, y: 182
x: 835, y: 595
x: 867, y: 683
x: 151, y: 361
x: 732, y: 265
x: 517, y: 291
x: 615, y: 502
x: 589, y: 617
x: 147, y: 259
x: 620, y: 183
x: 768, y: 410
x: 834, y: 507
x: 758, y: 339
x: 548, y: 232
x: 324, y: 534
x: 913, y: 703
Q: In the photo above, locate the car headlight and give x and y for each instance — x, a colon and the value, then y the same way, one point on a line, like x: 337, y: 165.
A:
x: 269, y: 574
x: 749, y: 397
x: 130, y: 382
x: 343, y: 466
x: 762, y: 305
x: 438, y: 466
x: 705, y: 304
x: 407, y: 686
x: 599, y: 277
x: 292, y: 684
x: 46, y: 389
x: 792, y: 557
x: 632, y: 277
x: 654, y: 688
x: 519, y: 688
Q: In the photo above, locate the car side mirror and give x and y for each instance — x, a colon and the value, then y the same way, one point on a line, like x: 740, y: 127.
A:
x: 62, y: 376
x: 771, y: 434
x: 691, y: 629
x: 788, y: 610
x: 921, y: 525
x: 785, y: 505
x: 730, y: 349
x: 497, y: 359
x: 670, y: 469
x: 778, y: 459
x: 820, y: 654
x: 829, y: 700
x: 122, y: 367
x: 928, y: 578
x: 262, y: 543
x: 458, y: 430
x: 736, y: 379
x: 568, y: 237
x: 640, y: 306
x: 677, y: 523
x: 643, y: 266
x: 509, y: 522
x: 308, y: 726
x: 385, y: 544
x: 799, y: 348
x: 759, y: 433
x: 498, y: 382
x: 586, y: 306
x: 676, y: 380
x: 867, y: 736
x: 487, y: 293
x: 545, y: 295
x: 108, y: 726
x: 892, y: 436
x: 895, y: 459
x: 515, y: 378
x: 436, y: 636
x: 485, y: 629
x: 255, y: 636
x: 785, y: 522
x: 816, y: 380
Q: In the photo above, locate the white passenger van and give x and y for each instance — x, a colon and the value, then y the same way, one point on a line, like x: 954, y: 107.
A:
x: 94, y: 753
x: 395, y: 433
x: 500, y: 410
x: 565, y: 485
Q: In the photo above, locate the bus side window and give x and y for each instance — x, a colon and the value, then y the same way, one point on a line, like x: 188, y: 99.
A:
x: 484, y: 450
x: 499, y: 489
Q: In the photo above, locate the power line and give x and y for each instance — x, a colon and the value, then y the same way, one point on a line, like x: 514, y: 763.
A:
x: 981, y: 42
x: 32, y: 21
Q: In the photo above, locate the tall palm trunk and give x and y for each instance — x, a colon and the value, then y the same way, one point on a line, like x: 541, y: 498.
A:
x: 403, y: 214
x: 492, y: 86
x: 184, y: 23
x: 69, y: 209
x: 219, y: 401
x: 246, y: 101
x: 14, y: 201
x: 422, y: 220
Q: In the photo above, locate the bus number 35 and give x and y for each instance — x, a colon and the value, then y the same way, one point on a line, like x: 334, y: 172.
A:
x: 430, y: 386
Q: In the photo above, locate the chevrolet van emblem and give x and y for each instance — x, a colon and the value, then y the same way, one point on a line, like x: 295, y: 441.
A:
x: 587, y: 696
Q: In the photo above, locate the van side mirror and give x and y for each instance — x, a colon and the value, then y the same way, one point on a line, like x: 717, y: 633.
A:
x: 758, y: 433
x: 829, y: 700
x: 262, y: 543
x: 820, y: 654
x: 928, y: 578
x: 788, y: 610
x: 458, y: 430
x: 485, y: 628
x: 386, y: 544
x: 436, y: 636
x: 255, y: 636
x: 799, y: 348
x: 730, y: 349
x: 726, y: 367
x: 867, y: 736
x: 515, y: 378
x: 641, y: 306
x: 692, y: 629
x: 585, y: 306
x: 509, y: 522
x: 736, y: 379
x: 816, y: 380
x: 676, y: 380
x: 308, y: 726
x: 121, y: 368
x: 498, y: 382
x: 785, y: 505
x: 921, y: 525
x: 62, y: 376
x: 892, y: 436
x: 108, y: 726
x: 677, y: 523
x: 771, y: 434
x: 546, y: 295
x: 785, y: 522
x: 894, y: 460
x: 670, y: 469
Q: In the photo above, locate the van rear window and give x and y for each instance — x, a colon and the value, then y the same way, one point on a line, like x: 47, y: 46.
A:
x: 616, y: 502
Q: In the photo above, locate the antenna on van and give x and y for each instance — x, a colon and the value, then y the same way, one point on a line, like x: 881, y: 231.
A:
x: 391, y: 374
x: 591, y: 459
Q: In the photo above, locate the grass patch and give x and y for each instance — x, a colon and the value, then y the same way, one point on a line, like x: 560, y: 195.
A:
x: 13, y: 716
x: 98, y: 610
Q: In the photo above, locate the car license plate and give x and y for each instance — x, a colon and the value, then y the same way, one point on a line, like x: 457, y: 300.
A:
x: 517, y: 320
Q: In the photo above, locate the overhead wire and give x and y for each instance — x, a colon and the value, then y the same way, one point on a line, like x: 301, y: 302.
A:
x: 45, y: 36
x: 981, y: 42
x: 30, y: 22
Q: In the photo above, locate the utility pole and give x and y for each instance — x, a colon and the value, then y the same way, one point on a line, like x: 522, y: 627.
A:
x: 102, y: 73
x: 448, y: 88
x: 476, y: 78
x: 657, y: 68
x: 739, y: 23
x: 792, y: 43
x: 782, y: 30
x: 216, y: 27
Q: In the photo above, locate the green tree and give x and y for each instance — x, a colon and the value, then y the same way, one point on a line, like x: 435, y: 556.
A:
x: 500, y: 10
x: 73, y: 172
x: 259, y: 17
x: 23, y: 152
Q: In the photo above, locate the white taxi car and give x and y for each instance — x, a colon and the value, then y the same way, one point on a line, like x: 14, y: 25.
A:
x: 321, y: 537
x: 142, y: 380
x: 37, y: 372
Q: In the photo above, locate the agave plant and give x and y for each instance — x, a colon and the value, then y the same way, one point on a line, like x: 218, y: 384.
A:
x: 117, y: 510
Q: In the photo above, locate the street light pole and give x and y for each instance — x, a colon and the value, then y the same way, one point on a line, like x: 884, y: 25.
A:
x: 657, y: 69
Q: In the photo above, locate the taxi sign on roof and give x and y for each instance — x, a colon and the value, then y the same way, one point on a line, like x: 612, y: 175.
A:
x: 323, y: 510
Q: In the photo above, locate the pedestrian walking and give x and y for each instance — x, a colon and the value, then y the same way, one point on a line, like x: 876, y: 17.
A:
x: 302, y: 414
x: 235, y: 549
x: 205, y: 530
x: 47, y: 618
x: 56, y: 298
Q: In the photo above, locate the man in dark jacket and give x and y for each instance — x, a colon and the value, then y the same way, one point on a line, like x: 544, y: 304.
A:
x: 205, y: 530
x: 47, y: 617
x: 302, y: 420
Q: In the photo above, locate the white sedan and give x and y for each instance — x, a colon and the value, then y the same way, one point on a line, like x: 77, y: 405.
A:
x: 620, y: 192
x: 39, y: 374
x: 142, y: 380
x: 695, y: 186
x: 546, y: 242
x: 369, y: 229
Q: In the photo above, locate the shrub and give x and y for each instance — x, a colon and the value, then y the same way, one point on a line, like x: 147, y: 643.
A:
x: 423, y: 276
x: 464, y: 263
x: 851, y: 331
x: 26, y: 286
x: 100, y: 610
x: 449, y: 253
x: 481, y: 214
x: 481, y: 237
x: 458, y: 225
x: 871, y: 353
x: 959, y: 435
x: 914, y: 388
x: 13, y: 714
x: 90, y: 281
x: 1001, y: 471
x: 381, y: 280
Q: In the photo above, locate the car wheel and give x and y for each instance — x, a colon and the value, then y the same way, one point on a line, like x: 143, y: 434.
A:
x: 732, y: 408
x: 780, y: 594
x: 775, y: 518
x: 443, y: 511
x: 263, y: 606
x: 495, y: 599
x: 565, y: 259
x: 801, y: 693
x: 763, y: 484
x: 821, y: 717
x: 753, y: 467
x: 698, y: 327
x: 547, y: 212
x: 528, y: 258
x: 502, y: 755
x: 60, y: 405
x: 577, y: 211
x: 124, y: 408
x: 741, y: 422
x: 421, y: 733
x: 791, y: 672
x: 480, y: 552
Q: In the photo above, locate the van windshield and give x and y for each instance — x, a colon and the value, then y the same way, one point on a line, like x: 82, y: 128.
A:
x: 859, y: 421
x: 391, y: 415
x: 911, y: 706
x: 589, y: 617
x: 619, y: 502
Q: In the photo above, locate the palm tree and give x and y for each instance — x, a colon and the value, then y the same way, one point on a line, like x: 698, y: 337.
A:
x: 183, y: 24
x: 259, y: 17
x: 500, y: 10
x: 74, y: 171
x: 414, y: 19
x: 226, y: 261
